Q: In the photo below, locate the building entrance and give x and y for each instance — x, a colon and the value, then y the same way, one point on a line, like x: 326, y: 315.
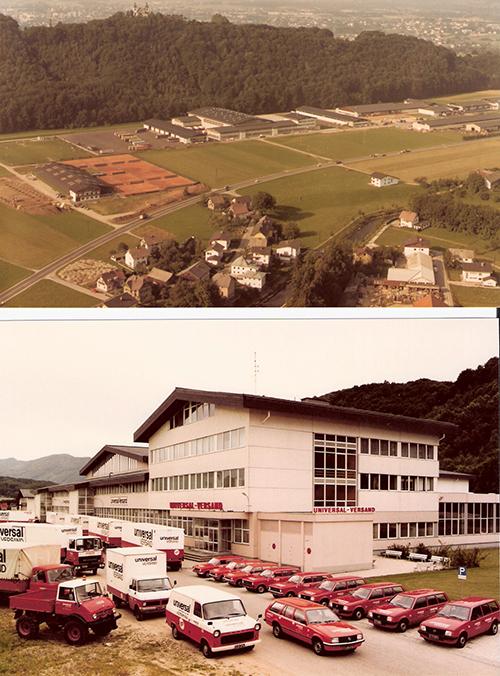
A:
x: 212, y: 535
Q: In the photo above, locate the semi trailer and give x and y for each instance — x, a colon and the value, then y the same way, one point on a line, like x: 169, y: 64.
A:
x: 163, y: 538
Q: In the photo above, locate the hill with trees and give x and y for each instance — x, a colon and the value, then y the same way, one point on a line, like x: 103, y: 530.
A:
x: 10, y: 485
x: 471, y: 402
x: 128, y: 68
x: 58, y: 468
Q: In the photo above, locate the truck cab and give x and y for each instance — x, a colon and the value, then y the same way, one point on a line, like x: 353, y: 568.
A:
x: 84, y: 553
x: 408, y: 609
x: 47, y: 577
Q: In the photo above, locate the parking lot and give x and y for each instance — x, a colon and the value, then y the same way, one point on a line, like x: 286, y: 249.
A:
x: 383, y: 652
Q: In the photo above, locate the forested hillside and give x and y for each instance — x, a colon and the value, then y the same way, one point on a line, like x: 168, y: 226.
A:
x: 10, y: 485
x: 130, y: 68
x: 471, y: 402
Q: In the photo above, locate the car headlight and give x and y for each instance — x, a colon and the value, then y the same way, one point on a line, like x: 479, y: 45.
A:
x: 389, y: 618
x: 345, y: 607
x: 257, y: 626
x: 335, y: 640
x: 359, y: 636
x: 216, y: 633
x: 423, y: 627
x: 447, y: 633
x: 94, y: 616
x: 370, y: 614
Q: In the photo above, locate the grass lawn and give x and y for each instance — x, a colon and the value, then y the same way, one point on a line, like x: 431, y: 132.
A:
x: 194, y: 220
x: 482, y: 581
x: 5, y: 173
x: 442, y: 239
x: 324, y: 201
x: 217, y: 164
x: 51, y: 294
x: 469, y: 96
x: 471, y: 296
x: 34, y: 241
x: 36, y: 152
x: 360, y: 143
x: 54, y: 132
x: 103, y: 252
x: 441, y: 163
x: 121, y: 205
x: 11, y: 274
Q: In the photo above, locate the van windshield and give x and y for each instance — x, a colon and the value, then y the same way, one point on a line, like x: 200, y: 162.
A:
x: 401, y: 601
x: 87, y: 591
x: 59, y: 574
x: 218, y: 610
x: 454, y: 611
x: 361, y: 593
x: 156, y: 584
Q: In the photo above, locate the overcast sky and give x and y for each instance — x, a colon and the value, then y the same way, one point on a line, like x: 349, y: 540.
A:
x: 71, y: 387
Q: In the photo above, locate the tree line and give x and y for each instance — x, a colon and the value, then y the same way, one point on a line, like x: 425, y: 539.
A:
x: 130, y: 68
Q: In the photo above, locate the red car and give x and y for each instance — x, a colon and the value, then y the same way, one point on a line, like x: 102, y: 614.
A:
x: 329, y: 589
x: 408, y: 609
x: 313, y: 624
x: 365, y: 598
x: 218, y: 572
x: 235, y: 577
x: 461, y: 620
x: 295, y: 584
x: 202, y: 569
x: 260, y: 583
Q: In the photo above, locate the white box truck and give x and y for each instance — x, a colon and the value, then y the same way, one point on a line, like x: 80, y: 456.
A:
x: 164, y: 538
x: 135, y: 576
x: 7, y: 515
x: 109, y: 530
x: 79, y: 520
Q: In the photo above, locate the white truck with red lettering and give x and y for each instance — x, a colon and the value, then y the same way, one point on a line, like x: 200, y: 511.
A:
x: 213, y: 619
x: 164, y: 538
x: 7, y: 515
x: 55, y: 518
x: 136, y: 577
x: 78, y: 520
x: 109, y: 530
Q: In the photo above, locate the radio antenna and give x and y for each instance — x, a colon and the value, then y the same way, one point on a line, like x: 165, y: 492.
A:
x: 255, y: 372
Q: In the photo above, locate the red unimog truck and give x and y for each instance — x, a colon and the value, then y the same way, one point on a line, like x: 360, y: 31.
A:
x: 75, y: 606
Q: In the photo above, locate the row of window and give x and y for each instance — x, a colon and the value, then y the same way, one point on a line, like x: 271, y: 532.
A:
x: 136, y: 487
x: 403, y: 449
x: 241, y: 531
x: 334, y: 495
x: 389, y: 531
x: 391, y: 482
x: 457, y: 518
x: 191, y: 412
x: 335, y: 458
x: 223, y: 441
x: 223, y: 478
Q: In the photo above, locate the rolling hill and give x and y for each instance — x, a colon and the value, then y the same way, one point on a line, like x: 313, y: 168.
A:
x: 58, y: 468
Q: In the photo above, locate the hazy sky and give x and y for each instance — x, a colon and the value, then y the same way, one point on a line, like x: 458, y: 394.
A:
x: 71, y: 387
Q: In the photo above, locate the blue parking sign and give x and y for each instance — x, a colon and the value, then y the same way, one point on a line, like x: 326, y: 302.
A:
x: 462, y: 573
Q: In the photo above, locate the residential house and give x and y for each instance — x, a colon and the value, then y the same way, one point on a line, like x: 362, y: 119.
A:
x: 363, y: 255
x: 223, y: 238
x: 240, y: 266
x: 110, y: 282
x: 225, y: 284
x: 380, y: 180
x: 136, y: 256
x: 417, y: 245
x: 141, y: 288
x: 254, y: 280
x: 26, y: 500
x: 124, y: 300
x: 197, y: 272
x: 288, y: 248
x: 161, y: 276
x: 217, y: 202
x: 214, y: 253
x: 152, y: 241
x: 478, y: 272
x: 462, y: 255
x: 259, y: 254
x: 241, y: 207
x: 408, y: 219
x: 419, y: 270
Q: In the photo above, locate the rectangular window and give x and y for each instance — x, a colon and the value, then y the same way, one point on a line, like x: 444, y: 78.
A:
x: 383, y: 531
x: 384, y: 482
x: 384, y: 447
x: 375, y: 446
x: 364, y: 446
x: 430, y: 452
x: 393, y: 448
x: 404, y: 530
x: 393, y: 482
x: 404, y: 449
x: 413, y: 450
x: 374, y: 482
x: 364, y: 481
x: 422, y: 451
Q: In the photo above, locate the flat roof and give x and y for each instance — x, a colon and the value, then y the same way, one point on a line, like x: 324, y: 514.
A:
x: 222, y: 115
x: 332, y: 115
x: 452, y: 120
x: 385, y: 107
x: 309, y: 407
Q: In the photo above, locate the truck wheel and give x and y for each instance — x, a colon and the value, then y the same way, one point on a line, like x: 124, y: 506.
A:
x: 318, y: 646
x: 138, y: 614
x: 277, y: 630
x: 358, y: 614
x: 176, y: 634
x: 261, y: 589
x: 462, y: 640
x: 27, y: 628
x: 75, y: 632
x: 403, y: 626
x: 206, y: 650
x: 494, y: 628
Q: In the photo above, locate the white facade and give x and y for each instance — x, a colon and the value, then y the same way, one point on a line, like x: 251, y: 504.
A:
x: 254, y: 280
x: 382, y: 180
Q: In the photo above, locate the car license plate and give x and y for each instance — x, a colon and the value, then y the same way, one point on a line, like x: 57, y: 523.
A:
x: 239, y: 645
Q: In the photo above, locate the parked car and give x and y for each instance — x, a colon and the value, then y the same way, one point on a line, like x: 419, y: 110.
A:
x: 202, y: 569
x: 312, y: 624
x: 332, y: 587
x: 235, y: 577
x: 260, y: 582
x: 364, y: 599
x: 295, y: 584
x: 408, y: 609
x: 461, y: 620
x: 218, y: 572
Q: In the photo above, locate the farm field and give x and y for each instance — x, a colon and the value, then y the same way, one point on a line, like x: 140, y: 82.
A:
x: 5, y: 173
x: 322, y: 202
x: 440, y: 163
x: 56, y: 132
x: 36, y: 152
x: 469, y: 96
x: 217, y: 164
x: 34, y: 241
x: 440, y: 238
x: 471, y: 296
x: 11, y: 274
x: 51, y: 294
x: 102, y: 253
x: 344, y: 145
x: 194, y: 220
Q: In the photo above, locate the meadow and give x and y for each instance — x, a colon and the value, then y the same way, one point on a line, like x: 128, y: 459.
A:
x: 471, y: 296
x: 11, y: 274
x: 469, y: 96
x: 51, y: 294
x: 194, y: 220
x: 36, y: 151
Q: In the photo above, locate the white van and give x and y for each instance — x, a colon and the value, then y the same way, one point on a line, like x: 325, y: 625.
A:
x: 212, y: 618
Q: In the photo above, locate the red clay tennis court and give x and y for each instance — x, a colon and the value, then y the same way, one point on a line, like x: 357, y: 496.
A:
x: 129, y: 175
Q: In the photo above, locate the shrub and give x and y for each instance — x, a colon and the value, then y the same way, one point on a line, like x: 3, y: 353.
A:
x: 461, y: 556
x: 423, y: 549
x: 401, y: 548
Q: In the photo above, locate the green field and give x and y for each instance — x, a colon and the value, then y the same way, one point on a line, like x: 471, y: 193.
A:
x: 482, y: 581
x: 469, y: 96
x: 360, y: 143
x: 322, y: 202
x: 34, y: 241
x: 120, y: 205
x: 5, y: 173
x: 102, y: 253
x: 471, y: 296
x: 51, y: 294
x: 217, y: 164
x: 441, y: 163
x: 11, y: 274
x: 36, y: 152
x: 194, y: 220
x: 55, y: 132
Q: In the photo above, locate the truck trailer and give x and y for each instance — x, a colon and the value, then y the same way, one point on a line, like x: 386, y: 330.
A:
x: 7, y: 515
x: 164, y: 538
x: 135, y: 576
x: 109, y: 530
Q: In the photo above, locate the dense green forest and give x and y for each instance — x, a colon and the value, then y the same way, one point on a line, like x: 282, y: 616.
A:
x: 129, y: 68
x: 10, y: 485
x: 471, y: 402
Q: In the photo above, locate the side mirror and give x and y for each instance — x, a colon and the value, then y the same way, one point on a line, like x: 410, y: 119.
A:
x: 259, y: 616
x: 175, y: 582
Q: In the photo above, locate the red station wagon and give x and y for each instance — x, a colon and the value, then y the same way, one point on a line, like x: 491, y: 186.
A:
x: 295, y: 584
x: 461, y: 620
x: 235, y: 577
x: 313, y: 624
x: 408, y: 609
x: 218, y: 572
x: 365, y: 598
x: 260, y: 583
x: 329, y: 589
x: 202, y: 569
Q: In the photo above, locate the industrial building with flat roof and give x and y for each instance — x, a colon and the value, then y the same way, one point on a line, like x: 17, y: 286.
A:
x: 331, y: 117
x: 76, y: 182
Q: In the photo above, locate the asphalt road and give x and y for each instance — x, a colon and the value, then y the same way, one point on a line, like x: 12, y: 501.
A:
x: 382, y: 653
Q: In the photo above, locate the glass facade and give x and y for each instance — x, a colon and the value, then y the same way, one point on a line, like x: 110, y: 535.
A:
x: 223, y: 478
x: 335, y: 467
x: 458, y: 518
x: 396, y: 531
x: 223, y: 441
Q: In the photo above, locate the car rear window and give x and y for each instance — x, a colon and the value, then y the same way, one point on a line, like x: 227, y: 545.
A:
x: 354, y: 583
x: 340, y: 585
x: 300, y: 616
x: 388, y: 591
x: 493, y: 606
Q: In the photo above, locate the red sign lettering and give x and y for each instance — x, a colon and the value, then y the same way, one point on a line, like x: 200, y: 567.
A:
x: 209, y: 506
